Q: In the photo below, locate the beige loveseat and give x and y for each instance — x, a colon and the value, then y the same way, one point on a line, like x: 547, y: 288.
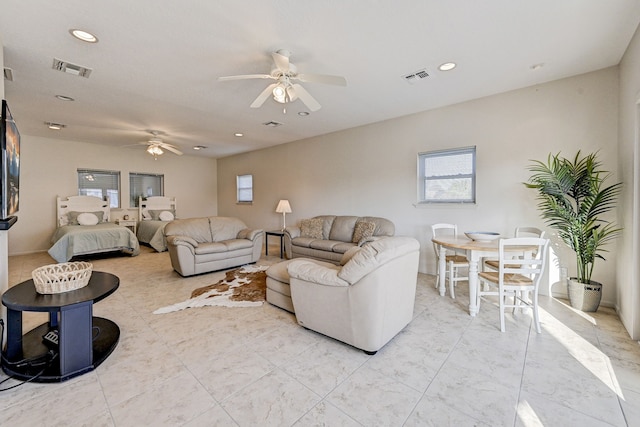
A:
x: 328, y: 237
x: 364, y: 303
x: 201, y: 245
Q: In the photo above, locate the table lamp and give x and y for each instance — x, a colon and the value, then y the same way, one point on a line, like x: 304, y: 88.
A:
x: 284, y: 208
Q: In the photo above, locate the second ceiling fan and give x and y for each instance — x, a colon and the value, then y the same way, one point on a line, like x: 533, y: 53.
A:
x: 285, y: 89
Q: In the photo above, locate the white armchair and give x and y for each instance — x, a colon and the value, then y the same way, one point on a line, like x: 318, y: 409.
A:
x: 364, y: 303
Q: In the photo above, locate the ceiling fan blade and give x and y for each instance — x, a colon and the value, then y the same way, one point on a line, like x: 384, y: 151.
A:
x: 306, y: 97
x: 171, y: 148
x: 245, y: 77
x: 281, y: 61
x: 322, y: 78
x: 263, y: 96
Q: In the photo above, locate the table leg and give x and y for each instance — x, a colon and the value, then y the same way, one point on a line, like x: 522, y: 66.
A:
x: 473, y: 283
x: 266, y: 244
x: 442, y: 269
x: 281, y: 246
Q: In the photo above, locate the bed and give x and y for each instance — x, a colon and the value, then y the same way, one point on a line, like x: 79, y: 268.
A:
x: 83, y: 228
x: 153, y: 214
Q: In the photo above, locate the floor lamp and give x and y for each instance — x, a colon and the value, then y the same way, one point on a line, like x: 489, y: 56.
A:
x: 284, y: 208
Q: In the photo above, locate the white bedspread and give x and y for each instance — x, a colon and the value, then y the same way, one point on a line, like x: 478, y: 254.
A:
x: 71, y: 240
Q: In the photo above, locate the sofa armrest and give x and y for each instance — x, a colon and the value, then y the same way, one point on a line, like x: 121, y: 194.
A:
x: 181, y: 240
x: 292, y: 232
x: 311, y: 272
x: 249, y: 234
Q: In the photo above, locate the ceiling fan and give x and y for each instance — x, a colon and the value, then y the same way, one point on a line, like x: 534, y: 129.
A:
x: 285, y: 89
x: 155, y: 145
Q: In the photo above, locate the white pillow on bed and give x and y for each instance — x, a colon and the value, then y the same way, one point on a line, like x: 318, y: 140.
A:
x: 166, y: 216
x: 87, y: 218
x: 145, y: 214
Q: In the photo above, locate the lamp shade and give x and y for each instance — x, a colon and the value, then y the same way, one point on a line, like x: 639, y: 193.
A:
x: 283, y: 207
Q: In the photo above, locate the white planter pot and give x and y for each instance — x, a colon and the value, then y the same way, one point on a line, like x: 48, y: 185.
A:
x: 584, y: 296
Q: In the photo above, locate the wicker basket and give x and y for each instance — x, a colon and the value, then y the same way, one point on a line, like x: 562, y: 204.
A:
x: 63, y: 277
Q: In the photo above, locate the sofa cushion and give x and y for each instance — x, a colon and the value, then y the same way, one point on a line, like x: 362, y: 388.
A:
x: 235, y: 244
x: 343, y: 247
x: 384, y: 227
x: 302, y: 241
x: 342, y: 228
x: 311, y: 228
x: 362, y: 230
x: 210, y: 248
x: 225, y: 228
x: 324, y: 245
x: 196, y: 228
x: 327, y: 223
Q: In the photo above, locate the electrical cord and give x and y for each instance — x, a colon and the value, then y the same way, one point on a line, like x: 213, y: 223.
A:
x: 46, y: 360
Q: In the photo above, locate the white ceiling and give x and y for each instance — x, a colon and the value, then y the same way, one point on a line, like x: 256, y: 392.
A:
x: 157, y: 61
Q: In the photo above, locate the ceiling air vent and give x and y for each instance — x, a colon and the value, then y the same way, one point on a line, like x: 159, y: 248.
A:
x: 8, y: 74
x: 272, y: 124
x: 67, y: 67
x: 415, y: 77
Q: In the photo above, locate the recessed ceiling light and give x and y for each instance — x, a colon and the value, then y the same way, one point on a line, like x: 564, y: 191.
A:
x: 85, y: 36
x: 64, y: 98
x: 55, y: 126
x: 447, y: 66
x: 199, y: 147
x: 303, y: 113
x: 537, y: 66
x: 238, y: 134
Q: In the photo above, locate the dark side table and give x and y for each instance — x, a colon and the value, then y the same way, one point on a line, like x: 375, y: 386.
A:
x: 84, y: 341
x: 278, y: 233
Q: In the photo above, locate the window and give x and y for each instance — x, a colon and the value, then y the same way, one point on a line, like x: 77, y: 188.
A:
x: 447, y: 176
x: 244, y: 184
x: 100, y: 184
x: 145, y: 185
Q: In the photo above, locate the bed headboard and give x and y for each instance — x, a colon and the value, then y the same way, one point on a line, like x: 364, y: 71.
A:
x: 81, y: 204
x: 160, y: 203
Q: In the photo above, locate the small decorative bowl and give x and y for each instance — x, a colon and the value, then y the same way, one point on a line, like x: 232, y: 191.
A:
x: 482, y: 236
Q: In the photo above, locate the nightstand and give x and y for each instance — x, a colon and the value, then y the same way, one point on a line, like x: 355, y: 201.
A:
x: 130, y: 223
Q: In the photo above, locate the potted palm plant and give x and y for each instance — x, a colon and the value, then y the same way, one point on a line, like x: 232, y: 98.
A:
x: 572, y: 199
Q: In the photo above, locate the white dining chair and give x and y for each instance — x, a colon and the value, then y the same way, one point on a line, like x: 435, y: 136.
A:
x: 516, y: 277
x: 454, y: 261
x: 492, y: 264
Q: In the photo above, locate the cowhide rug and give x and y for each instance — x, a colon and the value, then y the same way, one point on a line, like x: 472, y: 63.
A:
x: 241, y: 287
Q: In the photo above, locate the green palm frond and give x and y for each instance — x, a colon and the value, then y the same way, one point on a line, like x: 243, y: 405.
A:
x: 572, y: 198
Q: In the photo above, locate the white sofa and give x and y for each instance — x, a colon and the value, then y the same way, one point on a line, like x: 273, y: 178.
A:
x: 201, y: 245
x: 328, y: 237
x: 364, y: 303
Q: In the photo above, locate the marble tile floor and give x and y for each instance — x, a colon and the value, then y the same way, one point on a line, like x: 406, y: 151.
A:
x: 255, y: 366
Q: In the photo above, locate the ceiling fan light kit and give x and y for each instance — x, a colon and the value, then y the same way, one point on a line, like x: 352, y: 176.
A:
x: 284, y: 91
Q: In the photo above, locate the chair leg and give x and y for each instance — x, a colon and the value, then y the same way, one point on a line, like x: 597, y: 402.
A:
x: 502, y: 296
x: 536, y: 316
x: 452, y: 282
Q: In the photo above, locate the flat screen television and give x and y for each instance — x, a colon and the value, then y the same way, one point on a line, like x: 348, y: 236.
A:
x: 9, y: 164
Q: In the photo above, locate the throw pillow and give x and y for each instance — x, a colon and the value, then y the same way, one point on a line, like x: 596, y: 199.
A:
x: 166, y: 216
x: 311, y: 228
x: 73, y: 216
x: 155, y: 214
x: 363, y: 230
x: 87, y: 218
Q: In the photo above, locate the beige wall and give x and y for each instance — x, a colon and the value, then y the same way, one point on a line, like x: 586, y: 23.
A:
x: 628, y: 301
x: 371, y: 170
x: 48, y: 169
